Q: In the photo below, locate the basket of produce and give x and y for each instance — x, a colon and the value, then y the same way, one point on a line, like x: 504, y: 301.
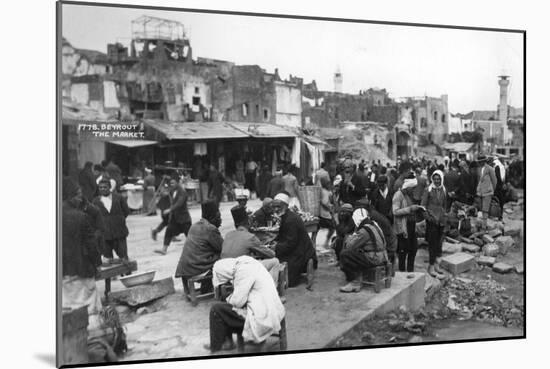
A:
x: 310, y: 199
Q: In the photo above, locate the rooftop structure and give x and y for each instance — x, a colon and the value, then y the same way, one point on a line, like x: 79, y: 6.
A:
x: 147, y: 27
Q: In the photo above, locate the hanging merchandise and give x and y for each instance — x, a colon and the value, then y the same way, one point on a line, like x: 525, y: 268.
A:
x: 200, y: 149
x: 295, y: 156
x: 315, y: 154
x: 274, y: 162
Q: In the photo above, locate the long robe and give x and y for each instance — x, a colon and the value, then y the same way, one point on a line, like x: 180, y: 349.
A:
x: 254, y: 296
x: 294, y: 246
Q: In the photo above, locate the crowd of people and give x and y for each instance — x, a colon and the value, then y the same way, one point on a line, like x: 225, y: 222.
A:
x: 370, y: 211
x: 395, y: 199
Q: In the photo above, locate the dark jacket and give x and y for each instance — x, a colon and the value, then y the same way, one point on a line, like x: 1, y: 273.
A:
x: 387, y: 229
x: 294, y: 246
x: 201, y: 250
x: 260, y: 218
x: 86, y: 179
x: 80, y: 254
x: 276, y: 185
x: 115, y: 220
x: 178, y: 206
x: 383, y: 205
x: 96, y: 222
x: 115, y: 173
x: 215, y: 187
x: 435, y: 202
x: 263, y: 182
x: 452, y: 181
x: 372, y: 247
x: 349, y: 195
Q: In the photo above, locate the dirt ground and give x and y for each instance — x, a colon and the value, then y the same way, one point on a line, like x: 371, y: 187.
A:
x: 497, y: 305
x: 477, y: 304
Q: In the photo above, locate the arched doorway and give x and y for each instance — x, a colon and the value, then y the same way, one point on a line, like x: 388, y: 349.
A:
x: 390, y: 149
x: 403, y: 139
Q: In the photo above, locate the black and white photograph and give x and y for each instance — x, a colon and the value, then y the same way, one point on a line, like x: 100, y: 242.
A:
x: 240, y: 184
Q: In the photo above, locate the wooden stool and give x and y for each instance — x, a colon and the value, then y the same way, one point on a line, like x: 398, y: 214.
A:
x: 191, y: 292
x: 281, y: 335
x: 378, y: 276
x: 282, y: 283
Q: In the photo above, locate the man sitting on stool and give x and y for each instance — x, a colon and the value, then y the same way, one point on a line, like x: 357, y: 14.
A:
x: 203, y: 245
x: 364, y: 249
x: 240, y: 241
x: 254, y: 309
x: 293, y: 244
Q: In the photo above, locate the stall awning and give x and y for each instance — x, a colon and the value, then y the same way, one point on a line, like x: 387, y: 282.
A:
x: 195, y: 131
x: 133, y: 143
x: 263, y: 130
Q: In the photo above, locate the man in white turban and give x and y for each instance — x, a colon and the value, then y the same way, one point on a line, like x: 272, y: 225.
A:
x: 293, y: 244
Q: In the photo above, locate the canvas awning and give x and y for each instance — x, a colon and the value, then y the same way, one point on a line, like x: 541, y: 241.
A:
x: 263, y: 130
x: 133, y: 143
x: 195, y: 131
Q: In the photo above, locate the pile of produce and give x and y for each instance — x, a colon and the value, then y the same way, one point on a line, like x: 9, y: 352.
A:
x: 306, y: 216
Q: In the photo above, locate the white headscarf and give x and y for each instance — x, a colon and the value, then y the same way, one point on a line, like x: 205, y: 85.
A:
x: 282, y: 197
x: 432, y: 185
x: 223, y: 271
x: 359, y: 215
x: 410, y: 182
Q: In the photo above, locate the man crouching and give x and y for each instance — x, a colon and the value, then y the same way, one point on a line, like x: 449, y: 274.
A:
x: 363, y: 250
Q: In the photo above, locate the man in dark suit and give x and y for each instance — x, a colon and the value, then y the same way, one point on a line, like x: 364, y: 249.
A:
x: 179, y: 218
x: 114, y: 210
x: 382, y: 198
x: 293, y: 244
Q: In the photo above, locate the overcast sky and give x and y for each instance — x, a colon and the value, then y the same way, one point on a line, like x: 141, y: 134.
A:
x: 407, y: 61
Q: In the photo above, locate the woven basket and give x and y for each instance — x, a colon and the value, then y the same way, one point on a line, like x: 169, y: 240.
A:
x: 310, y: 199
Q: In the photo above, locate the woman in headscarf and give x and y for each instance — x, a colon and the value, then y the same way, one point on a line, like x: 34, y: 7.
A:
x: 254, y: 309
x: 434, y: 200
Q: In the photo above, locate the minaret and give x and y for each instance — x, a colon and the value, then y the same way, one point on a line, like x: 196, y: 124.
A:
x: 338, y: 80
x: 502, y: 112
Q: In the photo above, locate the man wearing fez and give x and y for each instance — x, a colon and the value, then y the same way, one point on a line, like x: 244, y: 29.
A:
x: 293, y: 244
x: 240, y: 241
x: 80, y: 256
x: 203, y: 245
x: 113, y: 210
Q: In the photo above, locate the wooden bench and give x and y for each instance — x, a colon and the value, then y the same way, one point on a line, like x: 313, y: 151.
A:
x: 378, y: 277
x: 114, y: 270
